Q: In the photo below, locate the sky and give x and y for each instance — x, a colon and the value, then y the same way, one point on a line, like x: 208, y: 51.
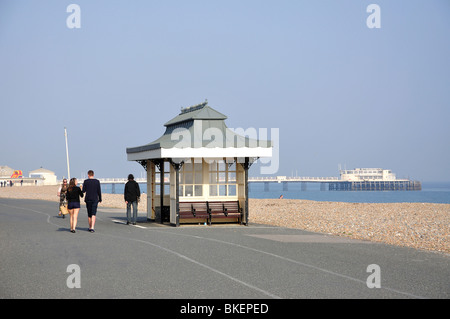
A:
x: 341, y: 94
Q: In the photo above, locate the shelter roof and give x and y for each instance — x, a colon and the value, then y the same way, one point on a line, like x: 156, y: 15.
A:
x: 200, y: 131
x: 200, y: 111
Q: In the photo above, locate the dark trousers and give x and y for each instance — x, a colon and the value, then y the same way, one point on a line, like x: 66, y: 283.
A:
x: 91, y: 208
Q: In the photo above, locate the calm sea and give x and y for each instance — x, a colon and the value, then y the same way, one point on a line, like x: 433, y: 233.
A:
x: 438, y: 192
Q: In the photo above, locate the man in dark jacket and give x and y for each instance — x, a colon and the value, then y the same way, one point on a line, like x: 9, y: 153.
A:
x: 132, y: 194
x: 91, y: 187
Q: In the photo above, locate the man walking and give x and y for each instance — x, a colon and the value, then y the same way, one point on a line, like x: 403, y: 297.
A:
x: 91, y: 187
x: 132, y: 194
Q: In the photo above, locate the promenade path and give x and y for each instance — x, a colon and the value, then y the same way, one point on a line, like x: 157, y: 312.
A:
x: 190, y: 262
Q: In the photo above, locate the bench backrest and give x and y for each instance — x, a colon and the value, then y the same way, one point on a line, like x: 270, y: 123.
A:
x: 231, y: 206
x: 185, y: 206
x: 212, y: 206
x: 228, y: 206
x: 200, y: 206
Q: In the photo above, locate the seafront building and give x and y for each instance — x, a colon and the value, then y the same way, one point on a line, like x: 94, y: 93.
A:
x: 372, y: 179
x: 202, y: 167
x: 38, y: 177
x: 6, y: 171
x: 367, y: 174
x: 43, y: 176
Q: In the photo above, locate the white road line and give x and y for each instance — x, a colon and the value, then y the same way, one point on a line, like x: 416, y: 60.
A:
x: 124, y: 223
x: 298, y: 263
x: 301, y: 264
x: 34, y: 211
x: 199, y: 264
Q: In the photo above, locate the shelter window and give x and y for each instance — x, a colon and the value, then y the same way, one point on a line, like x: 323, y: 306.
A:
x: 191, y: 180
x: 222, y: 179
x: 166, y: 179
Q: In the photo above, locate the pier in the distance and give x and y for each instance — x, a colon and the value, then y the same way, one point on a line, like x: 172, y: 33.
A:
x: 359, y: 179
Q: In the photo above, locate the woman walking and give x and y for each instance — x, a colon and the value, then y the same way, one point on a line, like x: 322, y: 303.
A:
x: 73, y: 197
x: 62, y: 192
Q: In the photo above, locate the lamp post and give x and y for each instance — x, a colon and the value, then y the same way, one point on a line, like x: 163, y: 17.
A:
x: 67, y: 155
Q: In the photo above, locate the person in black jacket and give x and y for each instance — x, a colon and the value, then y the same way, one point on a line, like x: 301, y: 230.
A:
x: 92, y: 188
x: 132, y: 194
x: 73, y: 199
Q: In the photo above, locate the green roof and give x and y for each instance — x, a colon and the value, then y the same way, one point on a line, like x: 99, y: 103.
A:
x: 197, y: 112
x: 200, y: 121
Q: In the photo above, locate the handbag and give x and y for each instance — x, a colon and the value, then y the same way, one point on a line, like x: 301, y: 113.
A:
x: 63, y: 209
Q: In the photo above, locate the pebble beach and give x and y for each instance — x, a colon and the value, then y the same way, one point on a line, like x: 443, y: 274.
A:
x: 417, y: 225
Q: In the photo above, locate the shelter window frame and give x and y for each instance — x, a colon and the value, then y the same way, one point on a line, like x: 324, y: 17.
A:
x: 222, y: 179
x: 191, y: 179
x: 166, y: 179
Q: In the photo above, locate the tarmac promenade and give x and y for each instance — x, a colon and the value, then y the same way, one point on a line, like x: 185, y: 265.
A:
x: 40, y: 258
x: 417, y: 225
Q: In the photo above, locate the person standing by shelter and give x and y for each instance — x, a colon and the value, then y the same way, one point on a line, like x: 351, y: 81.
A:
x: 91, y: 187
x: 73, y: 198
x: 132, y: 194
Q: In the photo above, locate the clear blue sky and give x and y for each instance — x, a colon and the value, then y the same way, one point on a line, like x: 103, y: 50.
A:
x: 339, y: 92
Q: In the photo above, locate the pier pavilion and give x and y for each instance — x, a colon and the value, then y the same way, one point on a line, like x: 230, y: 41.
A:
x: 203, y: 169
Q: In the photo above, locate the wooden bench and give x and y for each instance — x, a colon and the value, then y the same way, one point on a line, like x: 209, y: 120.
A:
x: 225, y: 210
x: 194, y: 210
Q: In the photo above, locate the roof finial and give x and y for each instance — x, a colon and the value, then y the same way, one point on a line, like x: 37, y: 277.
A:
x: 194, y: 107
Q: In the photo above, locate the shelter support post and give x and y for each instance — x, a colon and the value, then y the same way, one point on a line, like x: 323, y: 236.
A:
x: 176, y: 189
x: 161, y: 190
x: 151, y: 179
x: 246, y: 167
x: 243, y: 187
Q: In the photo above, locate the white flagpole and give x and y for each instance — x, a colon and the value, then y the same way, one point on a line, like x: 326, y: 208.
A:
x: 67, y: 155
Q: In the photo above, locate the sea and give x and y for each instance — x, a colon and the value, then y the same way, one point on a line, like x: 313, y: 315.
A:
x: 432, y: 192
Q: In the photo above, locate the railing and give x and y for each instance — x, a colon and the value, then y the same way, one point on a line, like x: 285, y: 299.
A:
x: 268, y: 179
x: 292, y: 179
x: 120, y: 180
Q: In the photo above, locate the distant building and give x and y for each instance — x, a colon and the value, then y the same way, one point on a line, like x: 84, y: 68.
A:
x: 367, y: 174
x: 6, y: 172
x: 43, y: 176
x: 372, y: 179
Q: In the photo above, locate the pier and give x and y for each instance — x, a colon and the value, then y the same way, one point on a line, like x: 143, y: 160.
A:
x: 326, y: 183
x: 271, y: 179
x: 336, y: 184
x: 397, y: 185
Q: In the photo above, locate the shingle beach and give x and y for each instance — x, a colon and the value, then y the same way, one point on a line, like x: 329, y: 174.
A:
x: 417, y: 225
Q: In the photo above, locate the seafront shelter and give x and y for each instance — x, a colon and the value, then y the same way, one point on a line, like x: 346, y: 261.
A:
x: 197, y: 171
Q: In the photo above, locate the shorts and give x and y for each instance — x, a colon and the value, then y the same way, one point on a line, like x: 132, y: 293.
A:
x: 73, y: 205
x: 91, y: 208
